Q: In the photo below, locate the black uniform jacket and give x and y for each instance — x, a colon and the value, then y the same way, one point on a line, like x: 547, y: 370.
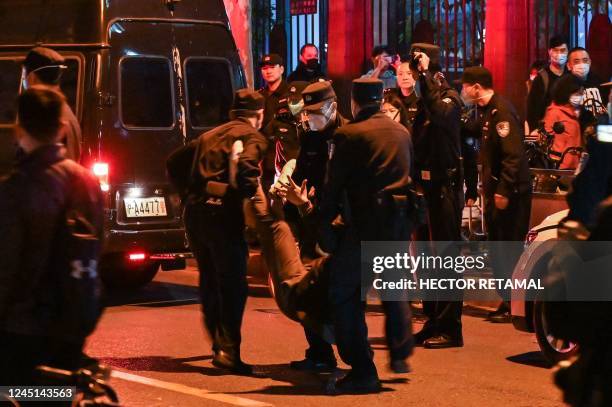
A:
x: 33, y: 201
x: 216, y: 148
x: 314, y: 155
x: 372, y: 154
x: 437, y: 131
x: 301, y: 73
x: 504, y: 164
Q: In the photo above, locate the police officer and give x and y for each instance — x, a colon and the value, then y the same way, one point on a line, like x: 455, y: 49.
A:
x: 228, y: 171
x: 437, y: 147
x: 321, y: 119
x: 274, y: 91
x: 45, y: 67
x: 371, y: 159
x: 505, y: 173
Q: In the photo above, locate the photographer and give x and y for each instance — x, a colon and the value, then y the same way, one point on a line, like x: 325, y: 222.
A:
x: 385, y: 65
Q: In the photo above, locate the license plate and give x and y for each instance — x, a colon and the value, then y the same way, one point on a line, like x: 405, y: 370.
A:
x: 145, y: 207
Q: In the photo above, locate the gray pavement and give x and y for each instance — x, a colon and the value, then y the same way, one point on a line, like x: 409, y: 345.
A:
x: 155, y: 342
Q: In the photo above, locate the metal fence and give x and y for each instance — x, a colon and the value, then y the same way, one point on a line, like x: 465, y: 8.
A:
x: 276, y: 30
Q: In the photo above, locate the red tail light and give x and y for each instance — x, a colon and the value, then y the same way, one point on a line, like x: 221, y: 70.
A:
x: 101, y: 171
x: 137, y: 256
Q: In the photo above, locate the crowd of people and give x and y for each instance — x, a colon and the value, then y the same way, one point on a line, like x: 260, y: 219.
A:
x: 313, y: 184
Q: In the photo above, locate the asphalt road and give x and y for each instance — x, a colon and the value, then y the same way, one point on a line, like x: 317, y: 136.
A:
x: 161, y: 356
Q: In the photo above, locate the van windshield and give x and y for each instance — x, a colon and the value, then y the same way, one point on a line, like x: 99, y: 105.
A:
x: 147, y: 99
x: 10, y: 77
x: 209, y: 91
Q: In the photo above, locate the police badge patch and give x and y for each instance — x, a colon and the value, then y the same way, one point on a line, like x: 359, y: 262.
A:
x: 503, y: 129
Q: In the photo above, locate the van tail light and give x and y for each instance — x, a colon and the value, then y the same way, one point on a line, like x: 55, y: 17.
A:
x: 137, y: 257
x: 101, y: 171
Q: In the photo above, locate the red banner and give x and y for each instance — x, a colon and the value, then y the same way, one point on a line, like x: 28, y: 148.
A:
x: 299, y: 7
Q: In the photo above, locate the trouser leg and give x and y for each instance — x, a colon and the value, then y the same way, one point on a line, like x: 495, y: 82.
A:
x: 318, y: 350
x: 348, y: 309
x: 398, y: 329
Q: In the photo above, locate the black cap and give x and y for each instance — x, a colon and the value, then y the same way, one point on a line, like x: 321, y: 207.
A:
x: 40, y: 57
x: 477, y: 74
x: 431, y: 50
x: 316, y: 94
x: 271, y: 59
x: 248, y: 100
x: 367, y: 90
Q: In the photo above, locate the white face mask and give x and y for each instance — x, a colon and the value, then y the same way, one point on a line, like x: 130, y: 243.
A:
x: 559, y: 59
x: 532, y: 77
x: 581, y: 70
x: 576, y: 100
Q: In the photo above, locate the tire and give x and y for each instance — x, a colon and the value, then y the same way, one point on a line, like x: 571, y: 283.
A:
x: 554, y: 349
x: 117, y: 273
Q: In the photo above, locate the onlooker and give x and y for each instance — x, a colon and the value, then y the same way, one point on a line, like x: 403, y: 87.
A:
x: 309, y: 68
x: 541, y: 90
x: 579, y: 64
x: 44, y: 66
x: 385, y: 62
x: 49, y: 300
x: 565, y: 108
x: 534, y: 70
x: 394, y: 108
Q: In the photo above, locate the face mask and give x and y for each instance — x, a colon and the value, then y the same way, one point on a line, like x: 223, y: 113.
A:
x: 312, y: 64
x: 559, y: 59
x: 296, y: 108
x: 532, y: 77
x: 467, y: 99
x: 576, y: 100
x: 581, y: 70
x: 317, y: 121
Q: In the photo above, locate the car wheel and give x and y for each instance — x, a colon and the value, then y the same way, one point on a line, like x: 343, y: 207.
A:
x: 554, y: 349
x: 117, y: 273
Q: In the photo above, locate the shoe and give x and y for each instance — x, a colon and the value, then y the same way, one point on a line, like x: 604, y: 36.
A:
x: 443, y: 341
x: 423, y: 335
x: 400, y: 366
x: 310, y: 365
x: 501, y: 318
x: 223, y: 360
x: 350, y: 384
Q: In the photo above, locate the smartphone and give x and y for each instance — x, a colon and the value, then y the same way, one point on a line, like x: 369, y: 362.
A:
x: 604, y: 133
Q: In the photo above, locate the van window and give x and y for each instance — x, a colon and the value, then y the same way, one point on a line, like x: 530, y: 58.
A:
x: 209, y: 91
x: 10, y: 75
x: 10, y: 78
x: 146, y: 95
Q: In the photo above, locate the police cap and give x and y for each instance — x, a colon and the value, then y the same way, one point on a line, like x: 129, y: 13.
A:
x: 41, y: 57
x: 248, y: 100
x: 367, y: 90
x: 271, y: 59
x: 477, y: 74
x: 431, y: 50
x: 316, y: 94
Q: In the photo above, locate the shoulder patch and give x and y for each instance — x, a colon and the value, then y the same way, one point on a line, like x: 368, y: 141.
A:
x: 283, y: 130
x: 447, y: 100
x: 503, y: 129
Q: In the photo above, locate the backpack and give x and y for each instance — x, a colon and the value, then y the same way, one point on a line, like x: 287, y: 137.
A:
x: 77, y: 250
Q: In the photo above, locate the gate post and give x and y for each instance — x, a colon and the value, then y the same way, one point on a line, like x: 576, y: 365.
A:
x: 349, y: 45
x: 507, y: 52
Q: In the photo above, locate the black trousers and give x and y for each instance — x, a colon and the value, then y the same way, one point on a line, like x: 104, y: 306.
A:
x: 444, y: 213
x: 507, y: 225
x: 216, y: 236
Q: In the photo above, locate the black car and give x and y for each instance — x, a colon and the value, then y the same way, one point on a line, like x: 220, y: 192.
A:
x: 144, y: 77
